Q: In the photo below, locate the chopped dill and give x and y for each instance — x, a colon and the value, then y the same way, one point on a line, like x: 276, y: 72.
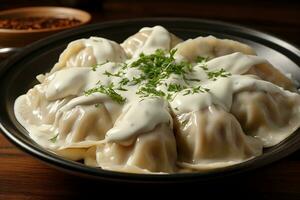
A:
x: 201, y: 59
x: 121, y: 88
x: 109, y: 91
x: 172, y: 87
x: 150, y: 91
x: 54, y: 139
x: 195, y: 89
x: 155, y: 68
x: 185, y: 122
x: 94, y: 67
x: 124, y: 81
x: 220, y: 73
x: 111, y: 74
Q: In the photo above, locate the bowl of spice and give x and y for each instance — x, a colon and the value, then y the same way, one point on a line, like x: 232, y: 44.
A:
x: 21, y: 26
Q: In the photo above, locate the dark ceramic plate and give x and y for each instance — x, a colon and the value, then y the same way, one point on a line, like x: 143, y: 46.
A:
x: 18, y: 75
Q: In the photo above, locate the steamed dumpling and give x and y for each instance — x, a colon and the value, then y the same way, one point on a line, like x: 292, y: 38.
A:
x: 147, y: 40
x: 212, y: 138
x: 210, y: 47
x: 271, y: 117
x: 65, y: 126
x: 81, y: 125
x: 35, y: 100
x: 269, y: 73
x: 153, y: 151
x: 89, y: 52
x: 57, y: 109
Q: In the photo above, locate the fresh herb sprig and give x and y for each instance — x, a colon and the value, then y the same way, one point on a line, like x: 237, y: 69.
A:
x: 94, y: 67
x: 54, y: 138
x: 195, y: 89
x: 109, y: 91
x: 159, y: 66
x: 213, y: 75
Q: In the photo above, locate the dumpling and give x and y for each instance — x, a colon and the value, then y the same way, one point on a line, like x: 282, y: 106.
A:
x: 213, y: 138
x: 141, y: 140
x: 58, y: 115
x: 35, y: 100
x: 253, y: 114
x: 81, y: 125
x: 153, y: 151
x: 210, y: 47
x: 89, y: 52
x: 269, y: 73
x: 269, y: 116
x: 70, y: 126
x: 239, y: 63
x: 147, y: 40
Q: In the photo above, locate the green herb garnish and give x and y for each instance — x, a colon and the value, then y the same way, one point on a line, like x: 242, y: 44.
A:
x: 124, y: 81
x: 118, y: 74
x: 201, y: 59
x: 220, y: 73
x: 195, y: 89
x: 175, y: 87
x: 54, y: 139
x: 185, y: 122
x: 108, y: 90
x: 150, y: 91
x: 157, y: 67
x: 94, y: 67
x: 154, y: 69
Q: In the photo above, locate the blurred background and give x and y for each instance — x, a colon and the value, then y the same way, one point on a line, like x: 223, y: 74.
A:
x: 279, y: 17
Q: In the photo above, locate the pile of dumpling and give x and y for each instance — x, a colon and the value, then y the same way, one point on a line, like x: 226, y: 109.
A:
x: 261, y: 108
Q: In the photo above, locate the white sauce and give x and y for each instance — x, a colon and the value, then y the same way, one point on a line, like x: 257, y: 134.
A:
x: 139, y: 117
x: 236, y: 63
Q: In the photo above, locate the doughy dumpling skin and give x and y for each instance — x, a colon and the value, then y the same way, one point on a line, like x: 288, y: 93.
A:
x: 212, y: 138
x: 35, y: 100
x: 147, y: 40
x: 269, y: 73
x: 89, y: 52
x: 82, y: 124
x: 78, y: 127
x: 271, y: 117
x: 153, y: 151
x: 210, y: 47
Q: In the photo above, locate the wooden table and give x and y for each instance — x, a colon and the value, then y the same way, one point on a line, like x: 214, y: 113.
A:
x: 23, y: 177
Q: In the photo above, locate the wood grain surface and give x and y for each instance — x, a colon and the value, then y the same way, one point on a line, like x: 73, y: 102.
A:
x: 24, y: 177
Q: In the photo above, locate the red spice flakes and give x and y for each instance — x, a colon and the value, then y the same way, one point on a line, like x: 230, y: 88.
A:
x: 34, y: 23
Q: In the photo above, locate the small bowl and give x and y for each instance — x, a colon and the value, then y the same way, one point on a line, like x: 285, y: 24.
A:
x: 19, y: 38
